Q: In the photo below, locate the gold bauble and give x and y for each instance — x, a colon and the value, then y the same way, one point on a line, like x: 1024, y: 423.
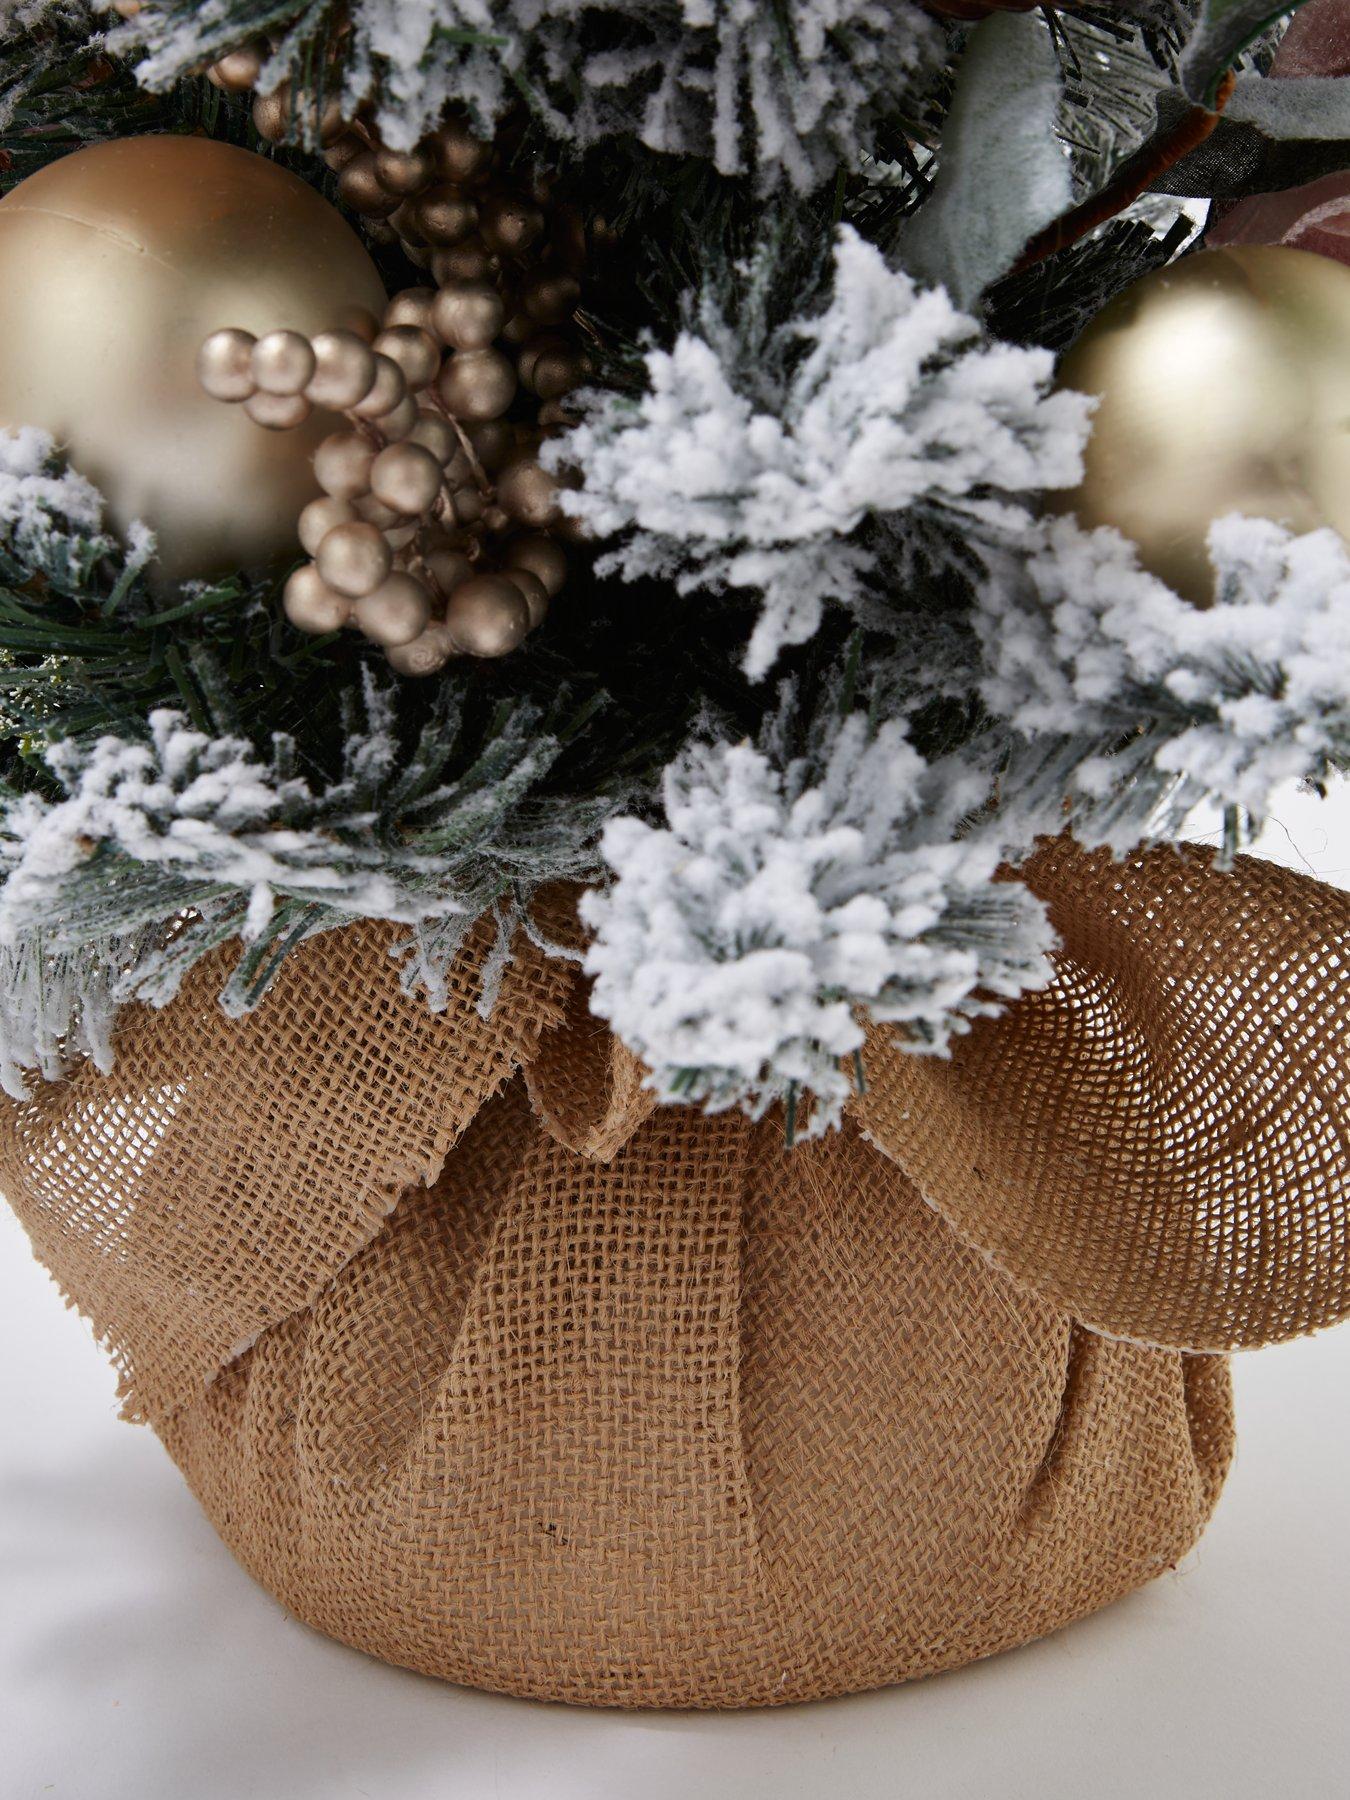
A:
x: 398, y: 611
x: 354, y: 559
x: 468, y: 314
x: 427, y: 654
x: 477, y: 386
x: 415, y: 351
x: 115, y: 264
x: 528, y: 493
x: 1224, y: 386
x: 320, y: 517
x: 532, y: 592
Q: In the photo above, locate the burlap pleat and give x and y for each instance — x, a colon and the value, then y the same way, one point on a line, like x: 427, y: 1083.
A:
x: 482, y: 1364
x: 1160, y: 1141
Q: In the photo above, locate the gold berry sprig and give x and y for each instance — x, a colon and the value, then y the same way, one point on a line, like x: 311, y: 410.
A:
x: 437, y: 532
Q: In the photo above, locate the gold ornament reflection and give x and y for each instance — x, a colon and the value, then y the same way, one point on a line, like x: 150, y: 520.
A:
x: 1224, y: 387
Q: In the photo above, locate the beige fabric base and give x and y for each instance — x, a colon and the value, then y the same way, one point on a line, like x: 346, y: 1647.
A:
x: 713, y: 1426
x: 480, y: 1363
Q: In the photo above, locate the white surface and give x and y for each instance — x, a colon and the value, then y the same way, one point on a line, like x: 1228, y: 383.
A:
x: 137, y: 1662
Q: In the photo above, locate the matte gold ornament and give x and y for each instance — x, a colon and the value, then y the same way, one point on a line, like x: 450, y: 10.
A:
x: 322, y: 516
x: 311, y: 605
x: 468, y: 314
x: 396, y: 425
x: 532, y: 592
x: 445, y: 214
x: 344, y: 369
x: 414, y: 350
x: 493, y: 442
x: 116, y: 263
x: 543, y: 557
x: 238, y: 72
x: 406, y: 478
x: 510, y: 224
x: 283, y: 362
x: 388, y: 390
x: 528, y: 493
x: 225, y: 365
x: 378, y: 513
x: 469, y: 261
x: 426, y: 654
x: 478, y: 385
x: 460, y: 156
x: 1224, y: 386
x: 446, y: 565
x: 405, y: 171
x: 342, y: 464
x: 553, y: 298
x: 359, y: 185
x: 277, y: 412
x: 436, y: 433
x: 411, y: 307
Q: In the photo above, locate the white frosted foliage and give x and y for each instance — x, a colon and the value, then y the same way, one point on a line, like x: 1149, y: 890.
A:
x: 788, y: 90
x: 900, y: 409
x: 40, y: 503
x: 741, y: 948
x: 1084, y: 646
x: 52, y: 519
x: 196, y: 807
x: 58, y: 1006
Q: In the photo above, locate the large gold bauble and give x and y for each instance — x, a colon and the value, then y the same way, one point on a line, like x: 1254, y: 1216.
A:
x: 1224, y: 386
x: 115, y: 263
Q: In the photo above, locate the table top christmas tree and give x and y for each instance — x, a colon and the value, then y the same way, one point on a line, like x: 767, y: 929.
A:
x: 595, y: 594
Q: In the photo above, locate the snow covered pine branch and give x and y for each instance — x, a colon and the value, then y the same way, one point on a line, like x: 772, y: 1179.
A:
x: 742, y: 948
x: 744, y: 944
x: 788, y: 90
x: 51, y: 518
x: 805, y: 477
x: 1125, y: 705
x: 198, y: 832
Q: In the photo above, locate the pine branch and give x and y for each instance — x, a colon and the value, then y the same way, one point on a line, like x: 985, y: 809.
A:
x: 798, y: 886
x: 806, y: 462
x: 1126, y: 706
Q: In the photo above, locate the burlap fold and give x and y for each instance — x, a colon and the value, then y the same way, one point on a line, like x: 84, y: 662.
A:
x: 224, y: 1171
x: 1160, y: 1141
x: 482, y: 1364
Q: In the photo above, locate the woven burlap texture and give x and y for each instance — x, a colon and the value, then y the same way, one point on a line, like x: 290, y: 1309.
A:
x: 483, y: 1364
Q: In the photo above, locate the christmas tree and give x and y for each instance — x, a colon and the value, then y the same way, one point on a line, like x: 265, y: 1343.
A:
x: 835, y: 651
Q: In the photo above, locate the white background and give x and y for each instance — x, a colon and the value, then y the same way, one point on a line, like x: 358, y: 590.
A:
x: 137, y: 1662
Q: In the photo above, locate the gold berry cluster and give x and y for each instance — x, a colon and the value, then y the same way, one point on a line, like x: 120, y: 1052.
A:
x: 437, y: 532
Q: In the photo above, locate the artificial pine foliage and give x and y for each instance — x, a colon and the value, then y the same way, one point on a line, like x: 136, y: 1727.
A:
x: 828, y: 673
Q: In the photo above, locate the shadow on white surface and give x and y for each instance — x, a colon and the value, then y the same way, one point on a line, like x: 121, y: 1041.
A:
x: 138, y: 1662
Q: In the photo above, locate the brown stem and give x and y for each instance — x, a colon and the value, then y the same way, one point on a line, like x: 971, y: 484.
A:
x: 485, y: 484
x: 1134, y: 177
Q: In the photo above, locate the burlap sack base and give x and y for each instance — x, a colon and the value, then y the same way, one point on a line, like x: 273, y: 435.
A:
x: 713, y: 1425
x: 225, y: 1170
x: 635, y: 1407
